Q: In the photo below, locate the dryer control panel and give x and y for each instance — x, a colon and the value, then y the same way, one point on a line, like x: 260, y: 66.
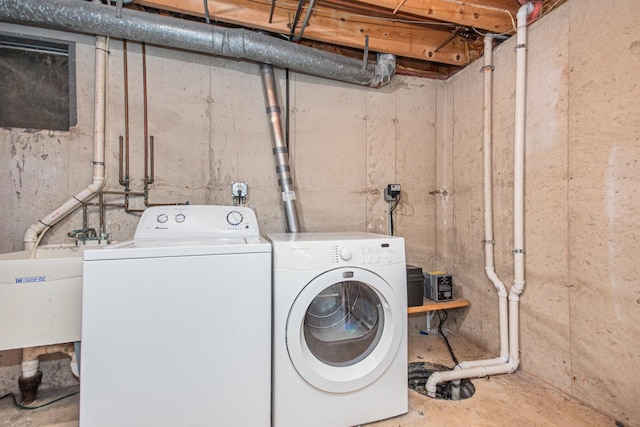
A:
x: 196, y: 222
x: 316, y: 251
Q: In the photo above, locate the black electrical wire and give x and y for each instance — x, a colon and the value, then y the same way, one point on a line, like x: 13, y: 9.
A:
x: 391, y: 209
x: 17, y: 405
x: 446, y: 340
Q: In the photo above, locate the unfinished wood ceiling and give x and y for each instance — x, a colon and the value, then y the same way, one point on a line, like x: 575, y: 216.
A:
x: 431, y: 38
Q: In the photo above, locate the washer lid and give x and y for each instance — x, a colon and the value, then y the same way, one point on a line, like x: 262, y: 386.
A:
x: 156, y: 248
x: 347, y: 323
x: 189, y: 230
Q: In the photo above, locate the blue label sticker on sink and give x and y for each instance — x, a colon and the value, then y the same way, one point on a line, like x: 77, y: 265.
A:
x: 34, y: 279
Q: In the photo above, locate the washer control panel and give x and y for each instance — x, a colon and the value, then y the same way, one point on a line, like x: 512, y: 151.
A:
x: 196, y: 222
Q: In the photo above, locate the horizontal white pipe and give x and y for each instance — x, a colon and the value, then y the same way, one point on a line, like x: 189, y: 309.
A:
x: 483, y: 362
x: 31, y: 357
x: 459, y: 374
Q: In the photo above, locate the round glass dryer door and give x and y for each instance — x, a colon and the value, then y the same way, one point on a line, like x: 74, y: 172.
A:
x: 344, y: 329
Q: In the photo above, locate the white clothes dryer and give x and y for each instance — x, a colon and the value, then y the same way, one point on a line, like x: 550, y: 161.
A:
x: 176, y: 324
x: 339, y: 329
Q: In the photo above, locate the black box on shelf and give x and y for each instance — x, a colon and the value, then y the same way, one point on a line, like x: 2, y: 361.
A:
x: 414, y: 285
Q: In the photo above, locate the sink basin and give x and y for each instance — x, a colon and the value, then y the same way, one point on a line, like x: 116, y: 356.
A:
x: 41, y: 298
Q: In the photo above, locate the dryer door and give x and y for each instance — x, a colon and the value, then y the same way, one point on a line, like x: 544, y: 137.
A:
x: 344, y: 329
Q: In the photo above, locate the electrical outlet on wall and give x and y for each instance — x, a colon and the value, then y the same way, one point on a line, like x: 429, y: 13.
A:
x: 392, y: 193
x: 239, y: 189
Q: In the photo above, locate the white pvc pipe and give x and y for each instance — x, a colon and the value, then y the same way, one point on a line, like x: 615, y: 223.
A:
x: 34, y: 234
x: 74, y: 365
x: 488, y: 200
x: 483, y: 368
x: 458, y: 374
x: 518, y: 184
x: 30, y: 368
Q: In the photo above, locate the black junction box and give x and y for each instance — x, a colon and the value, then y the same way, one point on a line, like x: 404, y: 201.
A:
x: 415, y: 286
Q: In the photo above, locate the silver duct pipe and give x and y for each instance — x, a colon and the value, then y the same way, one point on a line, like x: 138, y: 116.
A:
x: 280, y: 150
x: 93, y: 18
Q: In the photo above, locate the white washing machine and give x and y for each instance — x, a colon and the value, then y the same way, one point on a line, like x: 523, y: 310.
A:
x: 176, y: 324
x: 339, y: 329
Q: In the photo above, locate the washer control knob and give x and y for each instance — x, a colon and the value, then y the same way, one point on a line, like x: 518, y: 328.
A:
x: 162, y: 218
x: 234, y: 218
x: 345, y: 254
x: 180, y: 218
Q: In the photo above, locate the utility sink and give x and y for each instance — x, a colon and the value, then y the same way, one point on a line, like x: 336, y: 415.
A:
x: 41, y: 298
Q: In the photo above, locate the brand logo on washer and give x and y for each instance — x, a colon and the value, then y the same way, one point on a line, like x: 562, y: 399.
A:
x: 347, y: 274
x: 161, y: 228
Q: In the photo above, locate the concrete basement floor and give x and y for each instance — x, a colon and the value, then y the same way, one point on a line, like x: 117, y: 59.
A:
x: 505, y: 400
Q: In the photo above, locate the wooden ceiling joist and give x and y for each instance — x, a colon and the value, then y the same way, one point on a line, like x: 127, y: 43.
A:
x: 331, y: 25
x: 491, y: 15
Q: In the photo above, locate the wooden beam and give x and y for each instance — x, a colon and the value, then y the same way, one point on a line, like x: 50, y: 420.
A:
x: 491, y: 15
x: 331, y: 26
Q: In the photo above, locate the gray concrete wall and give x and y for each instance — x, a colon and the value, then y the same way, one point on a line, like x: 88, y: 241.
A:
x: 207, y: 116
x: 580, y: 308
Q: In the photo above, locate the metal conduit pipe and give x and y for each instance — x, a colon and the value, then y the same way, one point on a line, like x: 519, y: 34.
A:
x: 94, y: 18
x: 488, y: 367
x: 280, y: 149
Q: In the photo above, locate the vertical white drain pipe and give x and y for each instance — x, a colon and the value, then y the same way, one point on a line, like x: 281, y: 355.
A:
x: 484, y: 368
x: 488, y: 203
x: 518, y: 186
x: 34, y: 234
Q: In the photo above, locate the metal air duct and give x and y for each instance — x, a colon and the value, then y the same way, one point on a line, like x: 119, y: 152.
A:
x: 95, y: 18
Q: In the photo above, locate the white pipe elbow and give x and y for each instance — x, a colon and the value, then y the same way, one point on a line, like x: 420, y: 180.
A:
x: 499, y: 285
x: 432, y: 384
x: 524, y: 11
x: 30, y: 238
x: 96, y: 185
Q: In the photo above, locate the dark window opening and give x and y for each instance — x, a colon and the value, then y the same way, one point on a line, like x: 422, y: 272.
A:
x: 37, y: 88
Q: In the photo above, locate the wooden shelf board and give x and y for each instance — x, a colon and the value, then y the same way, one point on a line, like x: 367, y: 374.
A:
x: 429, y: 305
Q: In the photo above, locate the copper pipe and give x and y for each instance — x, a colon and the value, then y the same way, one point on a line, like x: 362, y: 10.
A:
x: 120, y: 162
x: 152, y: 151
x: 146, y: 124
x: 85, y: 217
x: 126, y: 114
x: 126, y: 195
x: 131, y: 193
